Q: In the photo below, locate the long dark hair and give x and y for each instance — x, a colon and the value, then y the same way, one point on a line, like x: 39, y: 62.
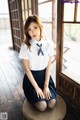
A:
x: 37, y: 20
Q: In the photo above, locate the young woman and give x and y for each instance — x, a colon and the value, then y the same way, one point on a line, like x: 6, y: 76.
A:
x: 36, y: 53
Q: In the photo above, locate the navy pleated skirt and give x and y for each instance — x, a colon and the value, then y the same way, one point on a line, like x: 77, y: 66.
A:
x: 29, y: 91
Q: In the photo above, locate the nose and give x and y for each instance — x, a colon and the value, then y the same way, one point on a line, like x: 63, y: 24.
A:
x: 32, y: 31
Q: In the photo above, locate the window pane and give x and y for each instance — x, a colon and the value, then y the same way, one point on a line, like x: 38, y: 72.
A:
x: 68, y: 12
x: 26, y: 12
x: 25, y: 4
x: 22, y: 4
x: 29, y: 4
x: 48, y: 30
x: 45, y: 11
x: 39, y: 1
x: 71, y: 54
x: 78, y: 13
x: 30, y: 12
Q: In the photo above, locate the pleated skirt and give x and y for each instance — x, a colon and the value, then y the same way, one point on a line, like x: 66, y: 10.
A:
x: 29, y: 90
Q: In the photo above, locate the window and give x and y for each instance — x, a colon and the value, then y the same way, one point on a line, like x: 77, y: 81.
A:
x: 26, y: 9
x: 71, y: 41
x: 45, y: 13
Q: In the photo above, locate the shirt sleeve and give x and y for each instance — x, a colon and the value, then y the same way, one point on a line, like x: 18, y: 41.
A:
x: 24, y: 52
x: 50, y: 46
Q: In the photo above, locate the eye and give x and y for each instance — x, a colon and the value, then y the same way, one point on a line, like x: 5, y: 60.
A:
x: 35, y: 27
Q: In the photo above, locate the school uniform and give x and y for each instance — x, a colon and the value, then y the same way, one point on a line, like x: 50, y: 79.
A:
x: 38, y: 56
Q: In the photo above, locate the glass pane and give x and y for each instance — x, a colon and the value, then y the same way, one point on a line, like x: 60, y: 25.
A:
x: 25, y: 4
x: 30, y: 12
x: 45, y: 11
x: 26, y: 12
x: 71, y: 51
x: 39, y: 1
x: 29, y: 4
x: 78, y: 13
x: 48, y: 30
x: 22, y: 4
x: 69, y: 12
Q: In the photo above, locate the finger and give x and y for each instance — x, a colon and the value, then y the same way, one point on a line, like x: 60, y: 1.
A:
x: 42, y: 95
x: 48, y: 96
x: 38, y: 95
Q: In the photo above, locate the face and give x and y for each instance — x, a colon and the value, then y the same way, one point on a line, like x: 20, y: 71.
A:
x: 34, y: 31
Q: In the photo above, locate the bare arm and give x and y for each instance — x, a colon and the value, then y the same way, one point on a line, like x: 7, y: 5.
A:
x: 31, y: 79
x: 47, y: 74
x: 46, y: 90
x: 29, y: 74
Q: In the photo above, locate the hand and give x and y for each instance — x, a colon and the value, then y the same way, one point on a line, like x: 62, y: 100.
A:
x: 40, y: 93
x: 47, y: 93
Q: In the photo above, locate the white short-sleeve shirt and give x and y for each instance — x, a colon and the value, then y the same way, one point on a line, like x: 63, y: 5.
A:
x: 37, y: 62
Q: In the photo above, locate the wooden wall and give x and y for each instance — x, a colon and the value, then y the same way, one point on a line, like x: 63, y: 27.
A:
x: 16, y: 23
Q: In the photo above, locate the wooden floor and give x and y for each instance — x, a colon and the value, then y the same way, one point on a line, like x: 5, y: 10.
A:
x: 11, y: 93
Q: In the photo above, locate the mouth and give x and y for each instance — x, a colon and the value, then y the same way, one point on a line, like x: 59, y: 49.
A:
x: 34, y: 35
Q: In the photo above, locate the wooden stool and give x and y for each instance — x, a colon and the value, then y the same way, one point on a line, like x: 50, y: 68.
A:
x: 58, y: 113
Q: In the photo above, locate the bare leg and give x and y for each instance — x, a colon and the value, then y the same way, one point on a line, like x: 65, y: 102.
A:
x: 51, y: 103
x: 41, y: 106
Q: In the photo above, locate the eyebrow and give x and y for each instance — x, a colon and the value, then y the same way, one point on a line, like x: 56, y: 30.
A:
x: 33, y: 26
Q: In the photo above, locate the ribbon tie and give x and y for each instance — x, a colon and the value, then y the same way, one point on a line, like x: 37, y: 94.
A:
x: 40, y: 49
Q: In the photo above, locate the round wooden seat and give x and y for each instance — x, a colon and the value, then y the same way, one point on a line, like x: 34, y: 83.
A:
x: 58, y: 113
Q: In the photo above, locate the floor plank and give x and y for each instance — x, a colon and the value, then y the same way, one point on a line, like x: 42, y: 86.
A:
x: 11, y: 77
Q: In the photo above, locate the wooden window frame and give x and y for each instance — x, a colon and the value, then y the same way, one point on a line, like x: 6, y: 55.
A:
x: 52, y: 21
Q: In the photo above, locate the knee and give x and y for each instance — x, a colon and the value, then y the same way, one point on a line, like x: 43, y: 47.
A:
x: 41, y: 106
x: 51, y: 103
